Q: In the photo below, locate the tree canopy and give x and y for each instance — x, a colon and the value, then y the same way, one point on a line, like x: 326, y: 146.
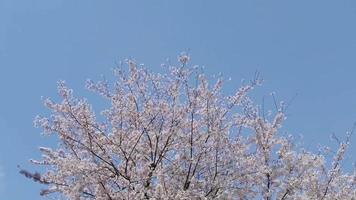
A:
x: 177, y: 136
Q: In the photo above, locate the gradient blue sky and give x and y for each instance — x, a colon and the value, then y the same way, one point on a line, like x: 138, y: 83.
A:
x: 305, y: 47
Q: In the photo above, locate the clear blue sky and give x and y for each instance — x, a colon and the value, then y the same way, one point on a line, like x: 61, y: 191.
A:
x: 305, y: 47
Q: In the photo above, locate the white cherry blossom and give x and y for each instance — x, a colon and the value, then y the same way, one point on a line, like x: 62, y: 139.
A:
x: 176, y: 136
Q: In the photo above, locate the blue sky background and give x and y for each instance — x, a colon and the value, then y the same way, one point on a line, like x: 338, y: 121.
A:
x: 305, y: 47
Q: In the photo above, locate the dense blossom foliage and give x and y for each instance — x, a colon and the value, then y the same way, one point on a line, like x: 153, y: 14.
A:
x: 176, y: 136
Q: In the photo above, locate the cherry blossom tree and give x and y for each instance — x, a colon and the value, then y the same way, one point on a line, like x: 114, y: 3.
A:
x: 177, y: 136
